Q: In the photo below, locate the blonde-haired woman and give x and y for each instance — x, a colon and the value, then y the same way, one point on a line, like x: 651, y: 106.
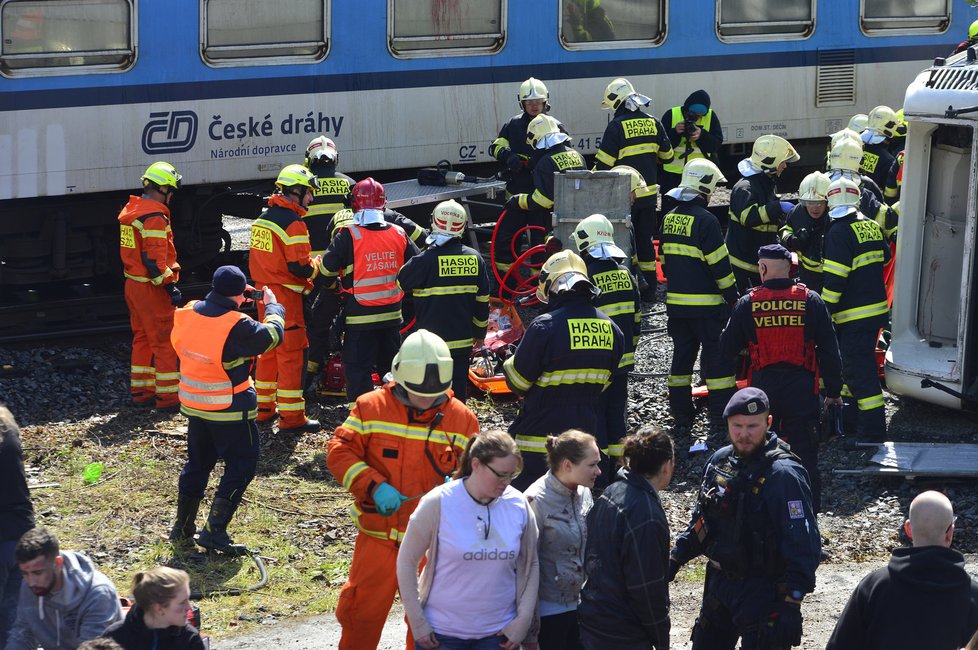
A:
x: 158, y: 619
x: 478, y: 590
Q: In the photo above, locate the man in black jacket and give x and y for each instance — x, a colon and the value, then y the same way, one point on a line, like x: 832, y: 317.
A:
x: 924, y: 598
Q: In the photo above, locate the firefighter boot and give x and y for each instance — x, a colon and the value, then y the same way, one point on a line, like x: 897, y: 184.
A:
x: 185, y: 526
x: 214, y: 534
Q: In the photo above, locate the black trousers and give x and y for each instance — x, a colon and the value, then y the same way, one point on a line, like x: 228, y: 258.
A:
x: 689, y: 335
x: 365, y: 351
x: 236, y: 443
x: 795, y: 411
x: 460, y: 373
x: 559, y: 632
x: 735, y: 609
x: 644, y: 222
x: 325, y: 305
x: 857, y: 345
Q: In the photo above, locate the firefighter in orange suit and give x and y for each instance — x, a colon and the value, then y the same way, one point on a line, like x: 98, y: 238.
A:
x: 367, y: 255
x: 217, y: 345
x: 150, y: 265
x: 398, y: 443
x: 280, y: 259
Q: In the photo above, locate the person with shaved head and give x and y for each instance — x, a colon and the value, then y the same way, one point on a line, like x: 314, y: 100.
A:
x: 924, y: 598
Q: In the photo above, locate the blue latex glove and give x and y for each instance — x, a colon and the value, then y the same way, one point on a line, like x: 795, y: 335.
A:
x: 388, y: 499
x: 787, y: 206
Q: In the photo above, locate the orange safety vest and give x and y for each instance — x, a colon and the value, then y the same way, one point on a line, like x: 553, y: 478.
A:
x: 779, y: 325
x: 378, y: 255
x: 199, y: 342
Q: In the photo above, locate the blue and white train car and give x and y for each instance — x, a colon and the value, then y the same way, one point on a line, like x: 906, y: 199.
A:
x: 229, y: 91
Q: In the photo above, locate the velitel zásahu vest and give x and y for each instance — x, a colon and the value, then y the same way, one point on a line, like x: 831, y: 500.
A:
x: 779, y: 325
x: 199, y: 342
x: 378, y: 256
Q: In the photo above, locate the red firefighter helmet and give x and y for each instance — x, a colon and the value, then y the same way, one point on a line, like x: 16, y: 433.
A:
x: 368, y: 194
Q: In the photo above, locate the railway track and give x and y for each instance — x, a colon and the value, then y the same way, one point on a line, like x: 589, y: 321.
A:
x: 38, y: 318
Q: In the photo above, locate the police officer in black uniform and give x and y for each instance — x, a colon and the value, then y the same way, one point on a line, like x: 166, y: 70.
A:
x: 546, y: 136
x: 754, y: 521
x: 635, y: 138
x: 855, y: 293
x: 449, y: 287
x: 563, y: 363
x: 756, y: 211
x: 699, y: 294
x: 788, y: 335
x: 594, y: 239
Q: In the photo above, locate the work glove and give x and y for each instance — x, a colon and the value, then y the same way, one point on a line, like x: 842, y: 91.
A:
x: 787, y: 206
x: 785, y: 624
x: 514, y: 162
x: 802, y: 237
x: 388, y: 499
x: 176, y: 298
x: 674, y: 567
x: 514, y: 202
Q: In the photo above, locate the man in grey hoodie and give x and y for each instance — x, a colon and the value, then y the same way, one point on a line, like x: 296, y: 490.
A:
x: 64, y: 599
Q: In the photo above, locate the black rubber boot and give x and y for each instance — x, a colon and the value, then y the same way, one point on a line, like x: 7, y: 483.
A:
x: 185, y: 525
x: 214, y: 534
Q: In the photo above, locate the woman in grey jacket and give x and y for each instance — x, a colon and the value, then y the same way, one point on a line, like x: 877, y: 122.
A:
x: 560, y: 500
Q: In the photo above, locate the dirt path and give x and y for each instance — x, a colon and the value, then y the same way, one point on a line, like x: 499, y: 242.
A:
x: 821, y: 609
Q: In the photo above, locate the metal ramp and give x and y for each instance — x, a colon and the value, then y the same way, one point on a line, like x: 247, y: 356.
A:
x: 917, y: 459
x: 410, y: 192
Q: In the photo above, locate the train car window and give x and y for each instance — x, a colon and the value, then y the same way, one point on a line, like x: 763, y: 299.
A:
x: 591, y: 24
x: 49, y: 37
x: 254, y: 32
x: 888, y: 17
x: 424, y: 28
x: 760, y: 20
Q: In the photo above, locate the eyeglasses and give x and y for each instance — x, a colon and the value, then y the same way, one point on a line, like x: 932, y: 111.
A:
x: 953, y: 521
x: 502, y: 476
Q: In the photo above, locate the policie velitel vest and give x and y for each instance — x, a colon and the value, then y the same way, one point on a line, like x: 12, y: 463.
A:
x: 779, y: 325
x: 675, y: 166
x: 378, y: 255
x: 199, y: 342
x: 734, y: 527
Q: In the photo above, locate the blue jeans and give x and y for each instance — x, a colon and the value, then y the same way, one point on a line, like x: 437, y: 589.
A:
x: 451, y: 643
x: 10, y: 580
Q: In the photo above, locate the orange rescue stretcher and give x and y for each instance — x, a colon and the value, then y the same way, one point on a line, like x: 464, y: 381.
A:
x: 503, y: 333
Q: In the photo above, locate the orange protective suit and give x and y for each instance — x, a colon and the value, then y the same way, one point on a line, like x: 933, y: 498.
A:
x: 150, y: 263
x: 383, y: 441
x: 279, y: 258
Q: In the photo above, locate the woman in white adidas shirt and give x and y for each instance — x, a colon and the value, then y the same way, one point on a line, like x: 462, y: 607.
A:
x: 479, y: 586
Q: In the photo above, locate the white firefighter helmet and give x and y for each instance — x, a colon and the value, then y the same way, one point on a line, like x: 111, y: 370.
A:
x: 814, y: 187
x: 769, y: 151
x: 448, y: 218
x: 616, y: 93
x: 321, y: 148
x: 843, y: 197
x: 562, y: 272
x: 845, y: 156
x: 540, y: 127
x: 423, y: 366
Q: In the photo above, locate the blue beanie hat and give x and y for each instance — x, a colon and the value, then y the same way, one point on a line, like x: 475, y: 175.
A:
x: 229, y: 281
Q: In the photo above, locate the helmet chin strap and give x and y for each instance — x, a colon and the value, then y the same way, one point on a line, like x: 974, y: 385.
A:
x: 404, y: 398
